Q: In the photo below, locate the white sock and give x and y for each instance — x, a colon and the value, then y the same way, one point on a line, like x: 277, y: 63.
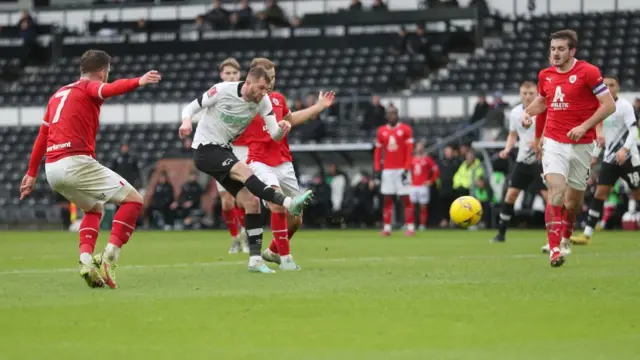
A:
x: 86, y: 259
x: 387, y: 227
x: 112, y: 252
x: 411, y: 227
x: 287, y: 202
x: 588, y: 231
x: 286, y: 258
x: 253, y: 260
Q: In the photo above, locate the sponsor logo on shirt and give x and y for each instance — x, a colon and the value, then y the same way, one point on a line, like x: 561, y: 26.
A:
x: 59, y: 146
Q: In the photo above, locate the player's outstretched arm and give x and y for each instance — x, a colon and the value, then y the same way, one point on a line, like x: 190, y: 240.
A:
x: 106, y: 90
x: 37, y: 153
x: 299, y: 117
x: 511, y: 141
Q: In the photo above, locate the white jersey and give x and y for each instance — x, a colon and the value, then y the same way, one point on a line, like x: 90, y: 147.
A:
x: 526, y: 154
x: 616, y: 130
x: 225, y: 115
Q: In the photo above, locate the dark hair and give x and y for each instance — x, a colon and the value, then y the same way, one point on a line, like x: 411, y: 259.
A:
x: 567, y: 34
x: 259, y: 73
x: 613, y: 77
x: 94, y: 60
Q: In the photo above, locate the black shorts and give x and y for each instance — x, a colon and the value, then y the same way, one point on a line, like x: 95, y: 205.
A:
x: 527, y: 177
x: 217, y: 161
x: 610, y: 173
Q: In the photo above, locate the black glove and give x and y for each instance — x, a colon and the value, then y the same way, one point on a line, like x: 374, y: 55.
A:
x: 406, y: 176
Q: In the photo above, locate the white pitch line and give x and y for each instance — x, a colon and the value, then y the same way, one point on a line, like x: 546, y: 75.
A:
x: 319, y: 261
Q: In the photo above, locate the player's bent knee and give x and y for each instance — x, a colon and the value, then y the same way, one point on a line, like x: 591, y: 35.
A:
x: 133, y: 196
x: 97, y: 208
x: 240, y: 172
x: 228, y: 202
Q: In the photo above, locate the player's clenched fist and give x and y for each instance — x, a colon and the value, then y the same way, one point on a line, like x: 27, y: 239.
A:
x: 526, y: 120
x: 152, y: 77
x: 285, y: 126
x: 576, y: 133
x: 186, y: 128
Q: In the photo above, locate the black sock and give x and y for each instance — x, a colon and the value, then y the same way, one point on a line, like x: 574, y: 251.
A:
x: 595, y: 211
x: 254, y: 233
x: 263, y: 191
x: 505, y: 217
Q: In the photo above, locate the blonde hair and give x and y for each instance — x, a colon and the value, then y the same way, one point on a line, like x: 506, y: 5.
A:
x: 230, y: 62
x: 262, y: 62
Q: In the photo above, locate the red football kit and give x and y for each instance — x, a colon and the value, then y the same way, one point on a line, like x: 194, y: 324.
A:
x: 395, y: 145
x: 262, y: 148
x: 72, y: 119
x: 423, y: 169
x: 571, y: 99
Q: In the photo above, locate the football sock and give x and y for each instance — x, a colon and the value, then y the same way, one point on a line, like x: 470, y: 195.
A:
x: 230, y: 218
x: 279, y: 230
x: 553, y: 219
x: 387, y: 212
x: 273, y: 246
x: 240, y: 215
x: 595, y: 211
x: 409, y: 214
x: 424, y: 214
x: 124, y: 223
x: 505, y: 217
x: 254, y: 233
x: 89, y: 230
x: 265, y: 192
x: 568, y: 223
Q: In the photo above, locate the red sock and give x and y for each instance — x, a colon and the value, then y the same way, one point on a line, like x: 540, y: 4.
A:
x: 409, y: 213
x: 568, y: 223
x: 279, y: 230
x: 387, y: 210
x: 273, y: 246
x: 424, y: 214
x: 124, y: 223
x: 89, y: 230
x: 240, y: 215
x: 230, y: 219
x: 608, y: 213
x: 553, y: 218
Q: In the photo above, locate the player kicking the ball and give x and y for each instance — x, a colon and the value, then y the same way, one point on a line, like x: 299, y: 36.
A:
x: 68, y: 137
x: 394, y: 142
x: 234, y: 215
x: 527, y: 173
x: 621, y: 158
x: 229, y: 109
x: 271, y: 161
x: 577, y: 100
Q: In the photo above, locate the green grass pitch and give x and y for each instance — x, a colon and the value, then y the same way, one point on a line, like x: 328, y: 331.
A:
x: 441, y: 295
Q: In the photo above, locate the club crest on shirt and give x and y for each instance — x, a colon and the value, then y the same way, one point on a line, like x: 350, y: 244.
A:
x: 275, y: 101
x: 212, y: 91
x: 572, y: 79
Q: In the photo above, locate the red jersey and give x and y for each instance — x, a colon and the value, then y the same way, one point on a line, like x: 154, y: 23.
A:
x: 71, y: 121
x: 241, y: 140
x: 423, y: 169
x: 395, y: 145
x: 571, y: 98
x: 262, y: 148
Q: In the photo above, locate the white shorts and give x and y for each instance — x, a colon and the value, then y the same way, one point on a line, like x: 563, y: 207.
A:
x: 241, y: 152
x: 573, y: 161
x: 392, y: 184
x: 85, y: 182
x: 282, y: 176
x: 420, y: 195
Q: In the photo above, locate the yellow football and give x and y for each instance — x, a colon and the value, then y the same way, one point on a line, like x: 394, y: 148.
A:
x: 465, y: 211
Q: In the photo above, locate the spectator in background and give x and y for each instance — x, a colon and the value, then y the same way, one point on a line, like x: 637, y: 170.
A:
x: 400, y: 45
x: 468, y: 173
x: 188, y: 204
x: 243, y: 19
x: 320, y: 207
x: 356, y: 5
x: 273, y: 15
x: 218, y: 16
x: 184, y: 151
x: 378, y: 5
x: 31, y: 47
x: 338, y: 182
x: 484, y: 194
x: 636, y: 107
x: 448, y: 165
x: 374, y: 115
x: 142, y: 26
x: 160, y: 210
x: 462, y: 152
x: 127, y: 166
x: 363, y: 201
x: 481, y: 109
x: 297, y: 105
x: 200, y: 24
x: 483, y: 8
x: 498, y: 101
